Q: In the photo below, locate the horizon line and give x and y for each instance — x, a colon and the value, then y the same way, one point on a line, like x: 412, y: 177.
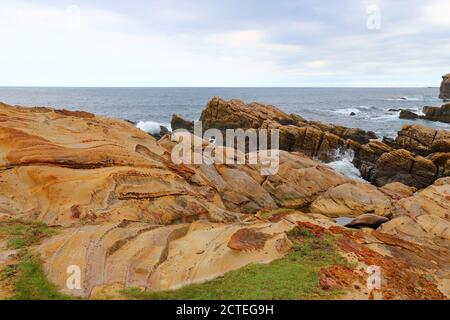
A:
x: 223, y: 87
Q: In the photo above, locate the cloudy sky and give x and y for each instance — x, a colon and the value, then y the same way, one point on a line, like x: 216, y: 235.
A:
x: 224, y: 43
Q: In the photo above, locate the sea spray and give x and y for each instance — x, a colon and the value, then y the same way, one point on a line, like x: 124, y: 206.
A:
x: 343, y: 164
x: 151, y: 127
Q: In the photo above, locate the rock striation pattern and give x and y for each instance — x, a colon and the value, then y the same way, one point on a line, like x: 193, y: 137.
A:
x: 130, y: 217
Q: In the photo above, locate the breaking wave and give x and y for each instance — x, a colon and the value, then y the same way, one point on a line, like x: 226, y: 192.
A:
x: 151, y: 127
x: 343, y: 164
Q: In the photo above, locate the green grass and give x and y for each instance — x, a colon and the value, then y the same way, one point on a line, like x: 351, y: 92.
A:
x: 25, y: 275
x: 266, y: 214
x: 31, y: 283
x: 21, y: 234
x: 294, y: 276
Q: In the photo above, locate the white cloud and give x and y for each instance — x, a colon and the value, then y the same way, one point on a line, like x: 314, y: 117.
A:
x: 316, y: 64
x: 437, y: 13
x: 41, y: 45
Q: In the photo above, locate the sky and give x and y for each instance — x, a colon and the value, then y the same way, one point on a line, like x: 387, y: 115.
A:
x: 226, y: 43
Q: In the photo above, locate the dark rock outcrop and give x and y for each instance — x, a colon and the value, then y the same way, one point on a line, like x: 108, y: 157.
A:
x: 406, y: 114
x: 444, y: 92
x: 441, y: 113
x: 400, y: 160
x: 367, y: 220
x: 178, y: 122
x: 313, y: 138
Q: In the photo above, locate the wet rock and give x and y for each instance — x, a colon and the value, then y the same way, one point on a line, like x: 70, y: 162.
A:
x: 406, y: 114
x: 367, y: 220
x: 162, y: 132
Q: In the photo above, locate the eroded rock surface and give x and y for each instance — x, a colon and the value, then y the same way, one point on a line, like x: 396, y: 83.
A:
x: 133, y: 218
x: 444, y: 92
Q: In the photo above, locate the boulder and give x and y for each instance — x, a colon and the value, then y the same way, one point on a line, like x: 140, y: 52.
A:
x: 423, y: 221
x: 397, y: 190
x: 406, y: 114
x: 402, y: 166
x: 444, y: 92
x: 352, y: 199
x: 178, y: 122
x: 441, y: 113
x: 367, y: 220
x: 420, y: 139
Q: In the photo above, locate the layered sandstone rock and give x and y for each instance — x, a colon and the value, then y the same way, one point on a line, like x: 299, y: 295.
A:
x: 444, y: 92
x: 136, y: 254
x: 352, y: 199
x: 132, y: 217
x: 66, y: 167
x: 422, y: 223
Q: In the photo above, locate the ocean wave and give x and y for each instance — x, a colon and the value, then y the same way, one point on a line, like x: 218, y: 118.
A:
x: 151, y: 127
x: 404, y: 99
x: 343, y: 164
x: 355, y: 110
x: 347, y: 111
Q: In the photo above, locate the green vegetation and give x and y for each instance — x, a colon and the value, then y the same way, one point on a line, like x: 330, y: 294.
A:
x: 266, y: 214
x: 294, y: 276
x: 21, y: 234
x: 31, y: 283
x: 25, y: 275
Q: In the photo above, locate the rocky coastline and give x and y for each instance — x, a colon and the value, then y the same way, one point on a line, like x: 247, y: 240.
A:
x: 130, y: 218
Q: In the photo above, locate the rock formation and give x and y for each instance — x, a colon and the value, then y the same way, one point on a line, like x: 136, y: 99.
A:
x: 444, y: 92
x: 406, y: 114
x: 441, y: 113
x: 326, y: 141
x: 130, y: 217
x: 178, y: 122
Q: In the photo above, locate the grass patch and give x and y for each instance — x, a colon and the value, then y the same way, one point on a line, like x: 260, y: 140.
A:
x: 294, y: 276
x: 32, y: 284
x: 25, y: 275
x: 266, y: 214
x: 21, y: 234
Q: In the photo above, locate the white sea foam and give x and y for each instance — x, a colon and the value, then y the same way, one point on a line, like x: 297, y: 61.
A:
x: 356, y: 110
x: 404, y: 99
x: 151, y: 127
x: 343, y: 164
x: 347, y: 111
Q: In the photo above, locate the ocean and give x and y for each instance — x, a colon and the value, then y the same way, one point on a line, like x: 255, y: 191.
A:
x: 151, y: 106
